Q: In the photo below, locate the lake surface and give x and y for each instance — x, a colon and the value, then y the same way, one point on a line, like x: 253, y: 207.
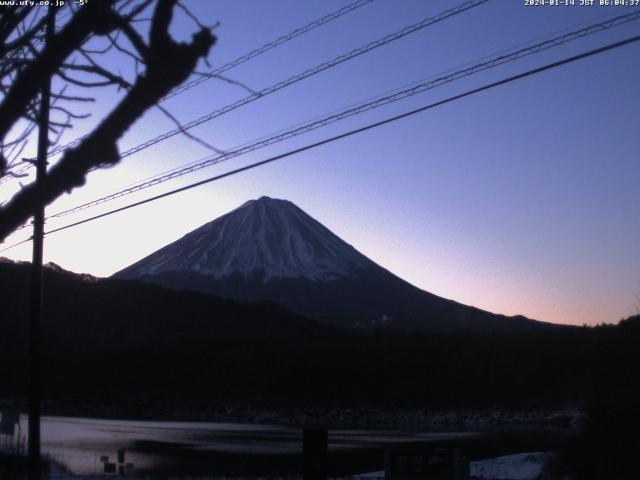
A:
x: 78, y: 443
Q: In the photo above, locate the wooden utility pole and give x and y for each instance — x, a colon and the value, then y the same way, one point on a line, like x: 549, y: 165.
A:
x: 315, y: 450
x: 35, y: 317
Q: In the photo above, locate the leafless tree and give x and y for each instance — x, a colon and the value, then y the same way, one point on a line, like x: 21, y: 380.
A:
x: 76, y: 57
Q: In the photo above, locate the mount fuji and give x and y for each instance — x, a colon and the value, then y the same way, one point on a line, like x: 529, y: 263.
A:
x: 271, y: 250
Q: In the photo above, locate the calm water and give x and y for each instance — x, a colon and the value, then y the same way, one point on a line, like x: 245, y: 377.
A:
x: 78, y: 443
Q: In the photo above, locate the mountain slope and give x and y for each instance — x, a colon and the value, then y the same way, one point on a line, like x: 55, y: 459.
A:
x: 270, y: 249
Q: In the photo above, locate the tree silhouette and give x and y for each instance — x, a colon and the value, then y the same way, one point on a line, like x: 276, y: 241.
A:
x: 75, y: 57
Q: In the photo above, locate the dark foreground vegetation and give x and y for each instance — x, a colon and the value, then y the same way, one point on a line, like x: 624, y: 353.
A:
x: 12, y: 467
x: 15, y: 467
x: 607, y: 446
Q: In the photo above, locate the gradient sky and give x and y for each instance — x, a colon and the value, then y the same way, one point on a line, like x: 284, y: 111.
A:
x: 519, y: 200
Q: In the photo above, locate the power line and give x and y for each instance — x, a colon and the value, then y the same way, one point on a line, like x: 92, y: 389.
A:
x: 15, y: 173
x: 453, y: 69
x: 269, y: 46
x: 16, y: 244
x: 350, y: 133
x: 354, y: 110
x: 248, y: 56
x: 426, y: 22
x: 227, y: 66
x: 308, y: 73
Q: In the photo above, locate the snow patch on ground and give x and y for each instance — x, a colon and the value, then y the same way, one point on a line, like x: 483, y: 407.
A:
x: 521, y: 466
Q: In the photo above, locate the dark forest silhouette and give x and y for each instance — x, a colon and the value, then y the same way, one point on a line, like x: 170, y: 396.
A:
x: 114, y: 340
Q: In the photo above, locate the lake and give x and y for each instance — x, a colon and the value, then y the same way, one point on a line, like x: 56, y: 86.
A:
x: 199, y: 447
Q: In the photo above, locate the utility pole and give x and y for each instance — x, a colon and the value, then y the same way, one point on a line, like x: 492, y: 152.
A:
x: 35, y: 317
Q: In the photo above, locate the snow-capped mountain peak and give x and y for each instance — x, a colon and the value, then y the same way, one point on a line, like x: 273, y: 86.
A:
x: 267, y: 237
x: 270, y: 250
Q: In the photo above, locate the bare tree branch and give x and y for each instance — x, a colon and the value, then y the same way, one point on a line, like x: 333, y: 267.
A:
x: 93, y: 18
x: 230, y: 81
x: 186, y: 133
x: 168, y: 64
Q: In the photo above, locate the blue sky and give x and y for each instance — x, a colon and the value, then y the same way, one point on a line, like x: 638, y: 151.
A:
x: 519, y: 200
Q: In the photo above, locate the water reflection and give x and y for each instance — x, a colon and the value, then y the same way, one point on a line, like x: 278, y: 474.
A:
x: 78, y: 443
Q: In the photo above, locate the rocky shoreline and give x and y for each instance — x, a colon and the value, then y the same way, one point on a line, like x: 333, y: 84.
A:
x: 495, y: 419
x: 405, y: 418
x: 422, y: 419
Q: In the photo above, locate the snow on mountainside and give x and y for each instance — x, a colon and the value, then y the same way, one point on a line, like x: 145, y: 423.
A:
x: 269, y: 237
